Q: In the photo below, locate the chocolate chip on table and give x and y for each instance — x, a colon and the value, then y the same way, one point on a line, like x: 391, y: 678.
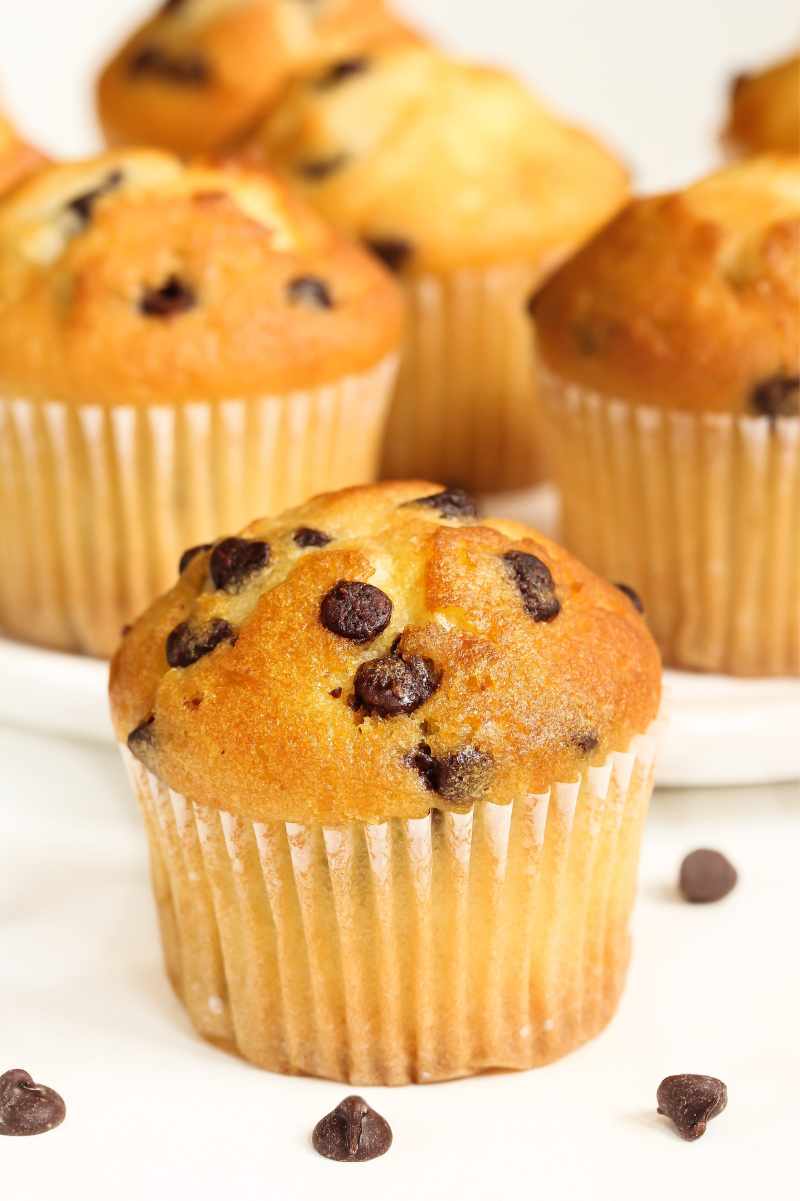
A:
x: 394, y: 253
x: 356, y: 611
x: 691, y: 1102
x: 310, y: 291
x: 391, y: 684
x: 452, y: 502
x: 346, y: 68
x: 535, y: 583
x: 191, y: 554
x: 458, y: 777
x: 82, y: 206
x: 706, y: 876
x: 320, y: 168
x: 632, y: 595
x: 352, y: 1132
x: 173, y: 297
x: 234, y: 560
x: 26, y: 1107
x: 186, y: 644
x: 305, y: 536
x: 778, y: 396
x: 189, y: 70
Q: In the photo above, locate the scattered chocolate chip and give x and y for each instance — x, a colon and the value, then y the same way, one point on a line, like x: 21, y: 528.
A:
x: 391, y: 685
x: 706, y: 876
x: 321, y: 168
x: 535, y: 583
x: 82, y: 206
x: 459, y: 777
x: 452, y: 502
x: 26, y: 1107
x: 691, y: 1102
x: 352, y: 1132
x: 191, y: 554
x: 632, y: 595
x: 169, y: 300
x: 778, y: 396
x: 394, y: 253
x: 356, y: 611
x: 234, y: 560
x: 305, y: 536
x: 336, y: 693
x: 346, y: 68
x: 142, y: 740
x: 186, y: 644
x: 586, y: 741
x: 189, y: 70
x: 310, y: 291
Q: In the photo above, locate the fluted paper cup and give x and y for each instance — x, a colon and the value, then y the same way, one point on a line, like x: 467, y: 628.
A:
x: 699, y: 512
x: 98, y: 502
x: 403, y: 951
x: 465, y: 410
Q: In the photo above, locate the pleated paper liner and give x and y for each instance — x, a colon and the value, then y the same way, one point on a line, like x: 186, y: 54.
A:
x: 465, y: 410
x: 699, y: 512
x: 97, y: 504
x: 403, y: 951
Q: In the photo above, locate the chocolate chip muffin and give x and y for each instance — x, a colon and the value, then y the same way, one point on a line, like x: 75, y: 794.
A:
x: 672, y: 346
x: 394, y: 763
x: 200, y: 72
x: 17, y: 158
x: 764, y: 111
x: 471, y: 191
x: 177, y: 346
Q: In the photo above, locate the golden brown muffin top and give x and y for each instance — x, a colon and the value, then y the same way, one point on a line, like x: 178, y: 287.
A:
x: 17, y: 158
x: 199, y: 72
x: 765, y: 110
x: 689, y: 300
x: 131, y: 278
x: 378, y: 652
x: 438, y: 163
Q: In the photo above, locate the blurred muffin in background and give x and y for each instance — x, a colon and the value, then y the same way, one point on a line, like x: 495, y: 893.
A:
x: 471, y: 191
x: 17, y: 158
x: 178, y: 347
x: 764, y: 112
x: 199, y: 72
x: 670, y: 348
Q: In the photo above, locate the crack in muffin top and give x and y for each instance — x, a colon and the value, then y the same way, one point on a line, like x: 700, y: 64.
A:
x: 396, y: 665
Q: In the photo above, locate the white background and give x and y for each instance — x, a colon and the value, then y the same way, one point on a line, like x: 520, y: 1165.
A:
x: 153, y: 1112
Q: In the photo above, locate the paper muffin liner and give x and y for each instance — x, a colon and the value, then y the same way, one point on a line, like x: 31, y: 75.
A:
x: 699, y: 512
x: 97, y: 503
x: 403, y: 951
x: 465, y: 409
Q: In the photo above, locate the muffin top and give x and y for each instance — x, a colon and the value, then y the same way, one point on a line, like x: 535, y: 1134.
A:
x: 17, y: 158
x: 765, y: 110
x: 379, y: 652
x: 689, y: 300
x: 199, y: 72
x: 131, y: 278
x: 437, y: 163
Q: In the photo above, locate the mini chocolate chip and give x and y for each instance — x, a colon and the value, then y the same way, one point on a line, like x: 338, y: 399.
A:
x: 586, y: 741
x: 392, y: 685
x: 169, y: 300
x: 82, y: 206
x: 306, y: 536
x: 458, y: 777
x: 191, y: 554
x: 452, y: 502
x: 394, y: 253
x: 125, y: 631
x: 691, y: 1102
x: 632, y: 595
x: 778, y: 396
x: 26, y: 1107
x: 336, y: 693
x: 190, y: 70
x: 321, y: 168
x: 355, y: 611
x: 352, y: 1132
x: 706, y: 876
x: 346, y: 68
x: 235, y: 560
x: 535, y: 584
x: 310, y: 291
x: 186, y: 644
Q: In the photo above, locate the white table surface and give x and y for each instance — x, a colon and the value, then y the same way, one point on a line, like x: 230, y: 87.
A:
x: 84, y: 1005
